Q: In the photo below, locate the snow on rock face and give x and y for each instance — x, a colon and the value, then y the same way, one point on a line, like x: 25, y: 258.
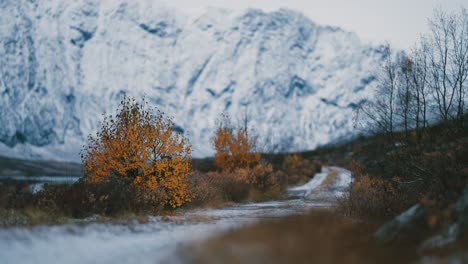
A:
x: 63, y: 63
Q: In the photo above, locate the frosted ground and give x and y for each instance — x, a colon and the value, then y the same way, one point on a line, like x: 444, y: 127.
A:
x: 158, y: 239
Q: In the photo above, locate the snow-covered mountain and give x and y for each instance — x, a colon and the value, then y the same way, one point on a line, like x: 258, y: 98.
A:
x: 63, y: 63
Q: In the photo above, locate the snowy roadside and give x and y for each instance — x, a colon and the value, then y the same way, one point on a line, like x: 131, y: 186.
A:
x: 326, y: 186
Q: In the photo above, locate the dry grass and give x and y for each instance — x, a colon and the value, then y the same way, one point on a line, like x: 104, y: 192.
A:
x: 318, y: 237
x: 215, y: 189
x: 299, y: 170
x: 373, y: 197
x: 28, y: 217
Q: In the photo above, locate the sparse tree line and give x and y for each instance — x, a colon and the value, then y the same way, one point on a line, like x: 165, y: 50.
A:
x: 418, y: 153
x: 426, y: 86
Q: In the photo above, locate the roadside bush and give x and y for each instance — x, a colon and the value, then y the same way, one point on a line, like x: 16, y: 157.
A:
x: 206, y: 189
x: 292, y: 161
x: 300, y: 170
x: 263, y: 178
x: 75, y: 200
x: 235, y: 147
x: 233, y: 186
x: 109, y: 198
x: 372, y: 197
x: 258, y: 183
x: 138, y: 150
x: 268, y: 184
x: 15, y: 196
x: 243, y: 176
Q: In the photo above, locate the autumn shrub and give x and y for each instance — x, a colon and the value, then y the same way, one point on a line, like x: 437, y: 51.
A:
x: 215, y: 188
x: 242, y: 174
x: 83, y: 199
x: 372, y: 197
x: 234, y: 187
x: 223, y: 187
x: 299, y: 170
x: 235, y: 146
x: 75, y: 200
x: 267, y: 183
x: 292, y: 161
x: 138, y: 150
x: 207, y: 189
x: 257, y: 183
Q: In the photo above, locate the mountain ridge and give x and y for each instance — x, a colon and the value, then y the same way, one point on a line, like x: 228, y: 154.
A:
x: 63, y: 63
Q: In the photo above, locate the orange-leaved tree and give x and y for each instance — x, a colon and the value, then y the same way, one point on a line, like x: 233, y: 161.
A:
x: 138, y: 147
x: 235, y: 147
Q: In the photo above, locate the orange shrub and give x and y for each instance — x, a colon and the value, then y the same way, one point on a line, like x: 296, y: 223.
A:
x: 243, y: 176
x: 292, y: 162
x: 267, y: 184
x: 235, y: 148
x: 139, y: 149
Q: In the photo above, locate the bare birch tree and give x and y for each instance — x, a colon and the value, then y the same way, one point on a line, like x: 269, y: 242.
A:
x: 448, y: 54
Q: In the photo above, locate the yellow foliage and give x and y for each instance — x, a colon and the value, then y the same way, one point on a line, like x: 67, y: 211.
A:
x: 292, y: 161
x: 139, y: 148
x: 235, y: 148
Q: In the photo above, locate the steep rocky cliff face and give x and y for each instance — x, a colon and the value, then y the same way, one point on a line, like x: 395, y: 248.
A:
x: 63, y: 63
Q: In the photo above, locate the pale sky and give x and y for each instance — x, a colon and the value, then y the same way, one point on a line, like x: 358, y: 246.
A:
x: 400, y: 22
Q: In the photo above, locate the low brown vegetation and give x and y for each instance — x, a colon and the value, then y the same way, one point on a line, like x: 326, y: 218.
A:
x: 241, y: 175
x: 372, y: 197
x: 392, y: 174
x: 78, y: 200
x: 28, y: 217
x: 256, y: 184
x: 299, y: 170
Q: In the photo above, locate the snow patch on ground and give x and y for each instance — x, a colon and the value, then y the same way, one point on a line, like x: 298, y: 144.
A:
x: 328, y: 185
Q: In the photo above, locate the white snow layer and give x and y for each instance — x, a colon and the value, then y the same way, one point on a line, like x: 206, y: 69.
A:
x: 329, y: 184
